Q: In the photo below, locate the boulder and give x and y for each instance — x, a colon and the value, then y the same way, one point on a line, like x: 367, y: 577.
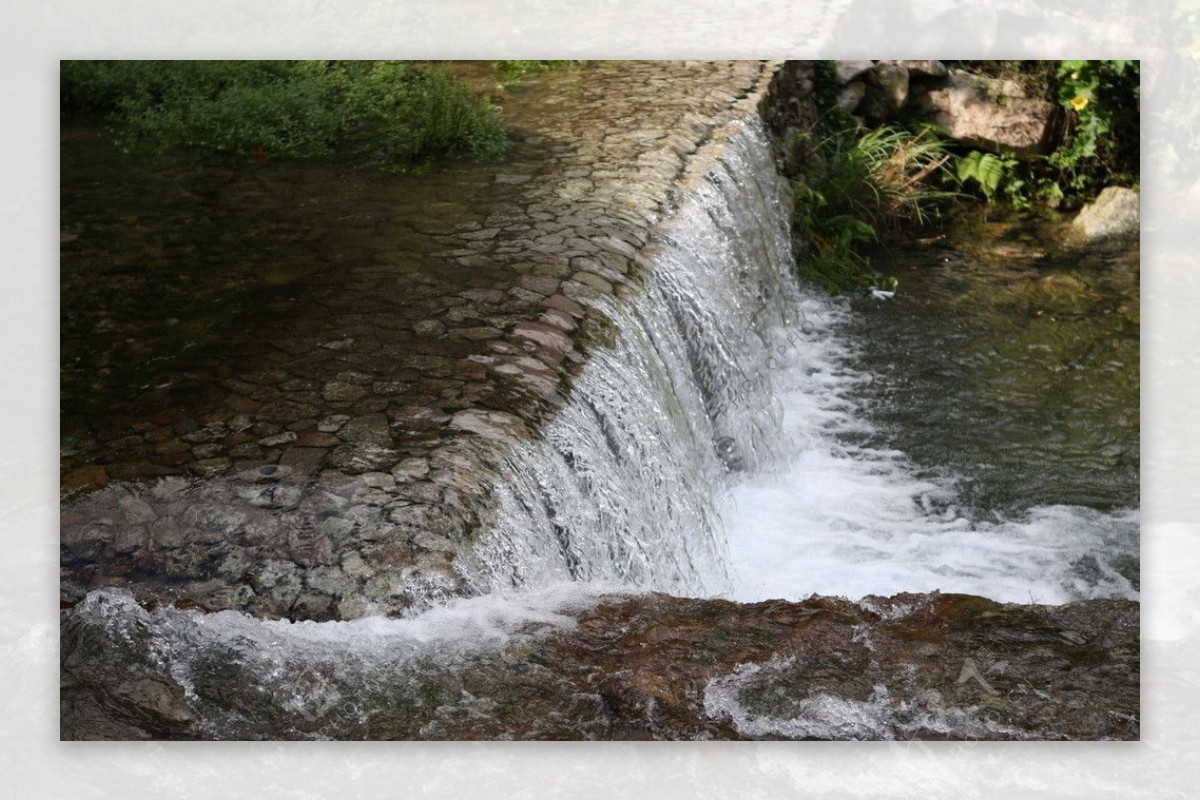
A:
x: 892, y: 82
x: 847, y: 71
x: 929, y: 69
x: 851, y: 95
x: 987, y: 114
x: 1114, y: 215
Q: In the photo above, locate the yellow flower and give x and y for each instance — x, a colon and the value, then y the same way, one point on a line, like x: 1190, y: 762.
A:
x: 1079, y: 103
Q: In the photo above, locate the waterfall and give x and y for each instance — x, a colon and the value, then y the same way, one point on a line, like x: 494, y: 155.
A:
x: 619, y: 490
x: 619, y: 487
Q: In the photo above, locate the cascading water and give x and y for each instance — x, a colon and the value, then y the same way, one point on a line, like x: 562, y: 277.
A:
x: 620, y: 486
x: 977, y: 434
x: 616, y: 493
x: 850, y: 516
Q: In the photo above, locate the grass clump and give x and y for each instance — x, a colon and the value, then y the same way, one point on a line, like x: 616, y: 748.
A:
x: 401, y: 113
x: 517, y: 71
x: 862, y: 186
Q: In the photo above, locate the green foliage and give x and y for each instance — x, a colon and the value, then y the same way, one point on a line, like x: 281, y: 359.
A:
x: 832, y: 242
x: 987, y: 170
x: 862, y: 185
x: 1003, y: 178
x: 516, y: 71
x: 859, y: 186
x: 825, y: 94
x: 391, y: 109
x: 1103, y: 149
x: 426, y: 115
x: 1100, y: 147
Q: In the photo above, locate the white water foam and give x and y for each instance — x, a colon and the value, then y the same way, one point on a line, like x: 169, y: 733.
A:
x: 620, y: 485
x: 487, y: 622
x: 243, y: 677
x: 851, y: 520
x: 825, y: 716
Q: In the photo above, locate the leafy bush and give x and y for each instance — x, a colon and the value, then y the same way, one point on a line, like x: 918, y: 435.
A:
x: 392, y: 109
x: 1103, y: 147
x: 992, y: 174
x: 861, y: 185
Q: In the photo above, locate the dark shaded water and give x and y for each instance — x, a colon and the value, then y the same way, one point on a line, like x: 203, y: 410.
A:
x: 977, y: 432
x: 1012, y: 364
x: 181, y: 274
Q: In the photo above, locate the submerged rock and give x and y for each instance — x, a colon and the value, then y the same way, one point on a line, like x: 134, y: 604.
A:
x: 651, y: 666
x: 494, y: 425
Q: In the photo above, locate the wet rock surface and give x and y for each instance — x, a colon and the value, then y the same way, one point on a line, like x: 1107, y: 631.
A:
x: 923, y: 666
x: 247, y: 348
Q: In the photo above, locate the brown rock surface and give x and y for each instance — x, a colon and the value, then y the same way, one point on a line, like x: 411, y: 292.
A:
x: 987, y: 113
x: 632, y: 667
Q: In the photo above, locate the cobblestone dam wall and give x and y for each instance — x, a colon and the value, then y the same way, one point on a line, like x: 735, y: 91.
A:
x: 402, y: 422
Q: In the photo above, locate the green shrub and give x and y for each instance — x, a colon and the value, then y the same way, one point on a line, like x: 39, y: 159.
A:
x: 992, y: 174
x: 1103, y: 98
x: 861, y: 185
x: 391, y: 109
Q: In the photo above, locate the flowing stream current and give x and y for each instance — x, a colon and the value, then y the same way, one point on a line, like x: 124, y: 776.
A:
x: 976, y: 434
x: 744, y: 438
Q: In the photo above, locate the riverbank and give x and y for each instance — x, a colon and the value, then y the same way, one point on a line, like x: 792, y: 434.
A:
x: 571, y: 664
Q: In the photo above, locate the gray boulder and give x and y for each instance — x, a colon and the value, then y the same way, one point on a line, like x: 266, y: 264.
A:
x: 847, y: 71
x: 851, y: 95
x: 987, y: 114
x: 892, y: 80
x: 1114, y: 215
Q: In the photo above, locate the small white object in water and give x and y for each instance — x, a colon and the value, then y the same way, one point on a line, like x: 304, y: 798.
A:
x: 882, y: 294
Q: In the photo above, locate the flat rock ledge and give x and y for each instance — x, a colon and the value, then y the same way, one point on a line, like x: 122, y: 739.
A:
x: 335, y: 465
x: 640, y: 667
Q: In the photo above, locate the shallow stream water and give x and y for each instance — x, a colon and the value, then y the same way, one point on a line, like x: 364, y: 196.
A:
x: 978, y: 432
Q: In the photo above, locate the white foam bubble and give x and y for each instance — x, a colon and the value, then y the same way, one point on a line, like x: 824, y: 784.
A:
x: 826, y: 716
x: 481, y: 622
x: 852, y: 520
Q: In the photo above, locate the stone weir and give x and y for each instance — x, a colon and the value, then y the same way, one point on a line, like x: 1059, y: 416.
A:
x: 341, y: 447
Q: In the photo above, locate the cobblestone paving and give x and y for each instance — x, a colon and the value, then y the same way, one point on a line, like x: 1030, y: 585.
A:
x: 304, y: 419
